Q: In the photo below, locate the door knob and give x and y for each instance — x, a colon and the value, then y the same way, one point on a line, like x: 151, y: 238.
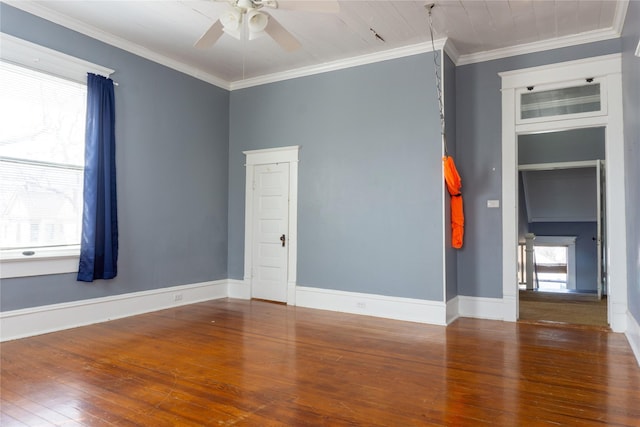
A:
x: 283, y: 239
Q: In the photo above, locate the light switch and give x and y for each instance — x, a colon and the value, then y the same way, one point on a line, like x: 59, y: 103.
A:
x: 493, y: 203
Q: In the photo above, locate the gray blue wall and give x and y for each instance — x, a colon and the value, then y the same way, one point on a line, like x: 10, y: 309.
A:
x: 172, y: 171
x: 479, y: 146
x: 631, y: 89
x: 586, y: 248
x: 370, y: 185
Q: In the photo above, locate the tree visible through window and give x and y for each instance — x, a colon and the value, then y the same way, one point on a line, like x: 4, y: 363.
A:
x: 42, y: 131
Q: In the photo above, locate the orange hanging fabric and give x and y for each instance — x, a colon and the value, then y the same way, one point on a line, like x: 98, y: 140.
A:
x: 454, y: 184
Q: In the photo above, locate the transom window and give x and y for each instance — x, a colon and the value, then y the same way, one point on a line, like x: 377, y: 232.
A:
x: 577, y: 99
x: 569, y: 100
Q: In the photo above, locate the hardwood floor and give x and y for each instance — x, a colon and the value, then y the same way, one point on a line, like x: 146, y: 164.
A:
x: 563, y: 308
x: 252, y: 363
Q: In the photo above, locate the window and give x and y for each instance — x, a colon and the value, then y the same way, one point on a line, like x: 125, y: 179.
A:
x: 584, y: 98
x: 42, y: 120
x: 569, y: 100
x: 551, y: 267
x: 41, y: 159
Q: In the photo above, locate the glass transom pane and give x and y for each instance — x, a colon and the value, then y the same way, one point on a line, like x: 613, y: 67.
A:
x: 558, y: 102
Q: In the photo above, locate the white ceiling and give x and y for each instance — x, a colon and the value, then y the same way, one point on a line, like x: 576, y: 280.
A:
x: 165, y: 31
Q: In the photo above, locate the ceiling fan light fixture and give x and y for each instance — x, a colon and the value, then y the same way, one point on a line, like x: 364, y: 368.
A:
x: 256, y: 22
x: 231, y: 21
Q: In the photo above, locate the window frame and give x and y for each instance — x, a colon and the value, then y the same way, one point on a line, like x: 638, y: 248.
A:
x: 52, y: 260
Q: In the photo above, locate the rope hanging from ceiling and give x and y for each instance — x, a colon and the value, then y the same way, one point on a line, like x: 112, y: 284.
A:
x: 451, y: 176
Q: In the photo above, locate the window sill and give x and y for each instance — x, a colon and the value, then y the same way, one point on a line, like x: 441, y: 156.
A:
x: 45, y: 261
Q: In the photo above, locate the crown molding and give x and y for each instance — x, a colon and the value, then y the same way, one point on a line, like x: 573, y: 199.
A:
x: 340, y: 64
x: 619, y: 16
x: 452, y: 51
x: 523, y: 49
x: 556, y: 43
x: 108, y: 38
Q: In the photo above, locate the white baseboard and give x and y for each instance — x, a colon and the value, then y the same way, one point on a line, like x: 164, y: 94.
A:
x: 291, y: 293
x: 481, y: 308
x: 240, y: 289
x: 408, y: 309
x: 56, y: 317
x: 618, y: 316
x: 633, y: 335
x: 508, y: 310
x: 453, y: 309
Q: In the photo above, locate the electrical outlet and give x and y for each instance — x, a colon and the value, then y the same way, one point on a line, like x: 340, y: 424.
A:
x: 177, y: 297
x: 361, y: 305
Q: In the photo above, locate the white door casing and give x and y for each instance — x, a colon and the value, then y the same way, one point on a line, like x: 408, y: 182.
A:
x: 271, y: 211
x: 609, y: 68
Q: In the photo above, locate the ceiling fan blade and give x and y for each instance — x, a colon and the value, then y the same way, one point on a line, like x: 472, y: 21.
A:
x: 283, y: 37
x: 210, y: 36
x: 328, y: 6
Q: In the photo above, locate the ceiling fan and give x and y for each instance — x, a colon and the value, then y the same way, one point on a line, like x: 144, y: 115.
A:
x: 245, y: 20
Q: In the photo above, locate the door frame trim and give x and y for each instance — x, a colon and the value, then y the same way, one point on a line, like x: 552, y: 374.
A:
x: 609, y: 67
x: 267, y: 156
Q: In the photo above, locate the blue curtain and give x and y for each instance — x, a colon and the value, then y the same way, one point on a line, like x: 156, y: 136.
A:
x: 99, y: 244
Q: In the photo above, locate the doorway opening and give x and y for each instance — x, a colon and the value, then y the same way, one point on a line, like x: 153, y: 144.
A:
x: 560, y: 226
x: 558, y: 80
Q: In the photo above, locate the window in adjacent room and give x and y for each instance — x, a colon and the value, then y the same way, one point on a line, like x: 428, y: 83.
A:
x: 551, y: 267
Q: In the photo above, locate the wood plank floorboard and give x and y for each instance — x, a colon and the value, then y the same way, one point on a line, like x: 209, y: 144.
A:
x: 563, y: 308
x: 251, y: 363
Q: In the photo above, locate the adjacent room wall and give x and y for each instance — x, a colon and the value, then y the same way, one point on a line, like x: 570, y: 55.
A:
x: 370, y: 175
x: 561, y: 195
x: 478, y: 115
x: 567, y: 146
x: 172, y: 157
x: 631, y: 88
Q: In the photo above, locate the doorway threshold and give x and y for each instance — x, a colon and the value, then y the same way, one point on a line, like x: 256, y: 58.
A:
x: 555, y: 324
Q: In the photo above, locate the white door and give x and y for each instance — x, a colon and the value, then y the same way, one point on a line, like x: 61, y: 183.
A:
x: 601, y: 220
x: 270, y: 225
